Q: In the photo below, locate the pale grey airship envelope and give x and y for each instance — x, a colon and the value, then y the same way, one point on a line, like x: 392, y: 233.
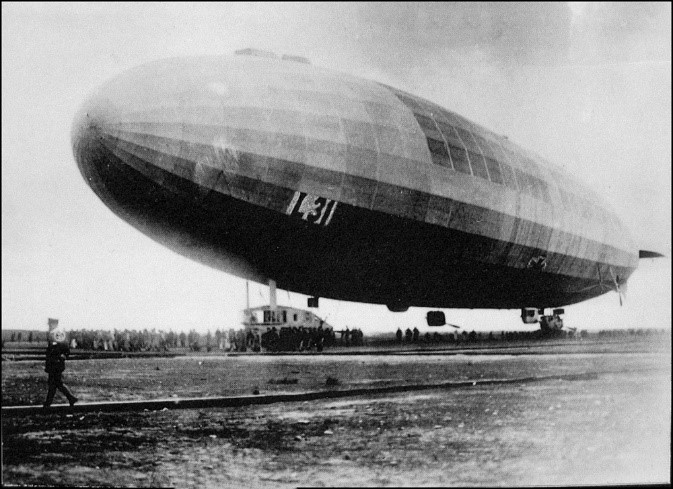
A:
x: 272, y: 168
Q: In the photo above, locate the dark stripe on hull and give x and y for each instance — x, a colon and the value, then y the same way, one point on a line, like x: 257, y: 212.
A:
x: 369, y: 193
x: 363, y: 255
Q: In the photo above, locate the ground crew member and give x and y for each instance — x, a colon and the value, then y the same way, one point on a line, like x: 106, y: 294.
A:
x: 320, y: 338
x: 57, y: 351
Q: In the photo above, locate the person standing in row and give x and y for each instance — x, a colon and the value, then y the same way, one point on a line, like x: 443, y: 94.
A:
x: 57, y: 351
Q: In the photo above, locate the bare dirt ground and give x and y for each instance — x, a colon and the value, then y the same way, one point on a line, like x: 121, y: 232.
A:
x: 612, y: 429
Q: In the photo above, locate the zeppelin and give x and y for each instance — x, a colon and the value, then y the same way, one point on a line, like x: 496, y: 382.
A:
x: 333, y: 186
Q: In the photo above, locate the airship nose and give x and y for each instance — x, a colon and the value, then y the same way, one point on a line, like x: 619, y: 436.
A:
x: 144, y: 144
x: 109, y: 136
x: 88, y: 141
x: 133, y: 127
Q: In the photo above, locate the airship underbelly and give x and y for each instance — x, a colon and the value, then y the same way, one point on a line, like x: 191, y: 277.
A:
x: 326, y: 183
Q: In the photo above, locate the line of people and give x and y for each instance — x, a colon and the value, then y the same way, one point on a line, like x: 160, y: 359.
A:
x: 295, y: 339
x: 238, y: 340
x: 410, y: 336
x: 352, y: 337
x: 127, y: 340
x: 276, y: 339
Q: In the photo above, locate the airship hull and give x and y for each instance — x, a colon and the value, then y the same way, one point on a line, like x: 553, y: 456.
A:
x: 351, y: 206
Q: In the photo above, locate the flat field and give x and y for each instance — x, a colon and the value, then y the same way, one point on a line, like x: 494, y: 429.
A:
x: 608, y: 429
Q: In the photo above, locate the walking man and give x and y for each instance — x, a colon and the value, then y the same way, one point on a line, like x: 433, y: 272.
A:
x: 57, y: 351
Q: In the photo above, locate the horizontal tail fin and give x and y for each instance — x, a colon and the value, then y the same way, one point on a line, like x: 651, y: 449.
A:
x: 649, y: 254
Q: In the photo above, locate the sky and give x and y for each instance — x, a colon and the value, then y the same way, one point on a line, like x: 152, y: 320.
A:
x: 586, y: 85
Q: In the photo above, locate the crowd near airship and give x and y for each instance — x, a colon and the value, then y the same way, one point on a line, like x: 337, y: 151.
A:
x: 333, y: 186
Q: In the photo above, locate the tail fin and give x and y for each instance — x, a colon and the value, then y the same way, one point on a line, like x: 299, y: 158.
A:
x: 649, y: 254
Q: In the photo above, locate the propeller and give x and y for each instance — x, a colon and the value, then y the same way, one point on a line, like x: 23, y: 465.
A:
x: 615, y: 279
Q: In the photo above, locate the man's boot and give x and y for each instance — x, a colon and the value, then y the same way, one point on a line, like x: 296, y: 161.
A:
x: 71, y: 399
